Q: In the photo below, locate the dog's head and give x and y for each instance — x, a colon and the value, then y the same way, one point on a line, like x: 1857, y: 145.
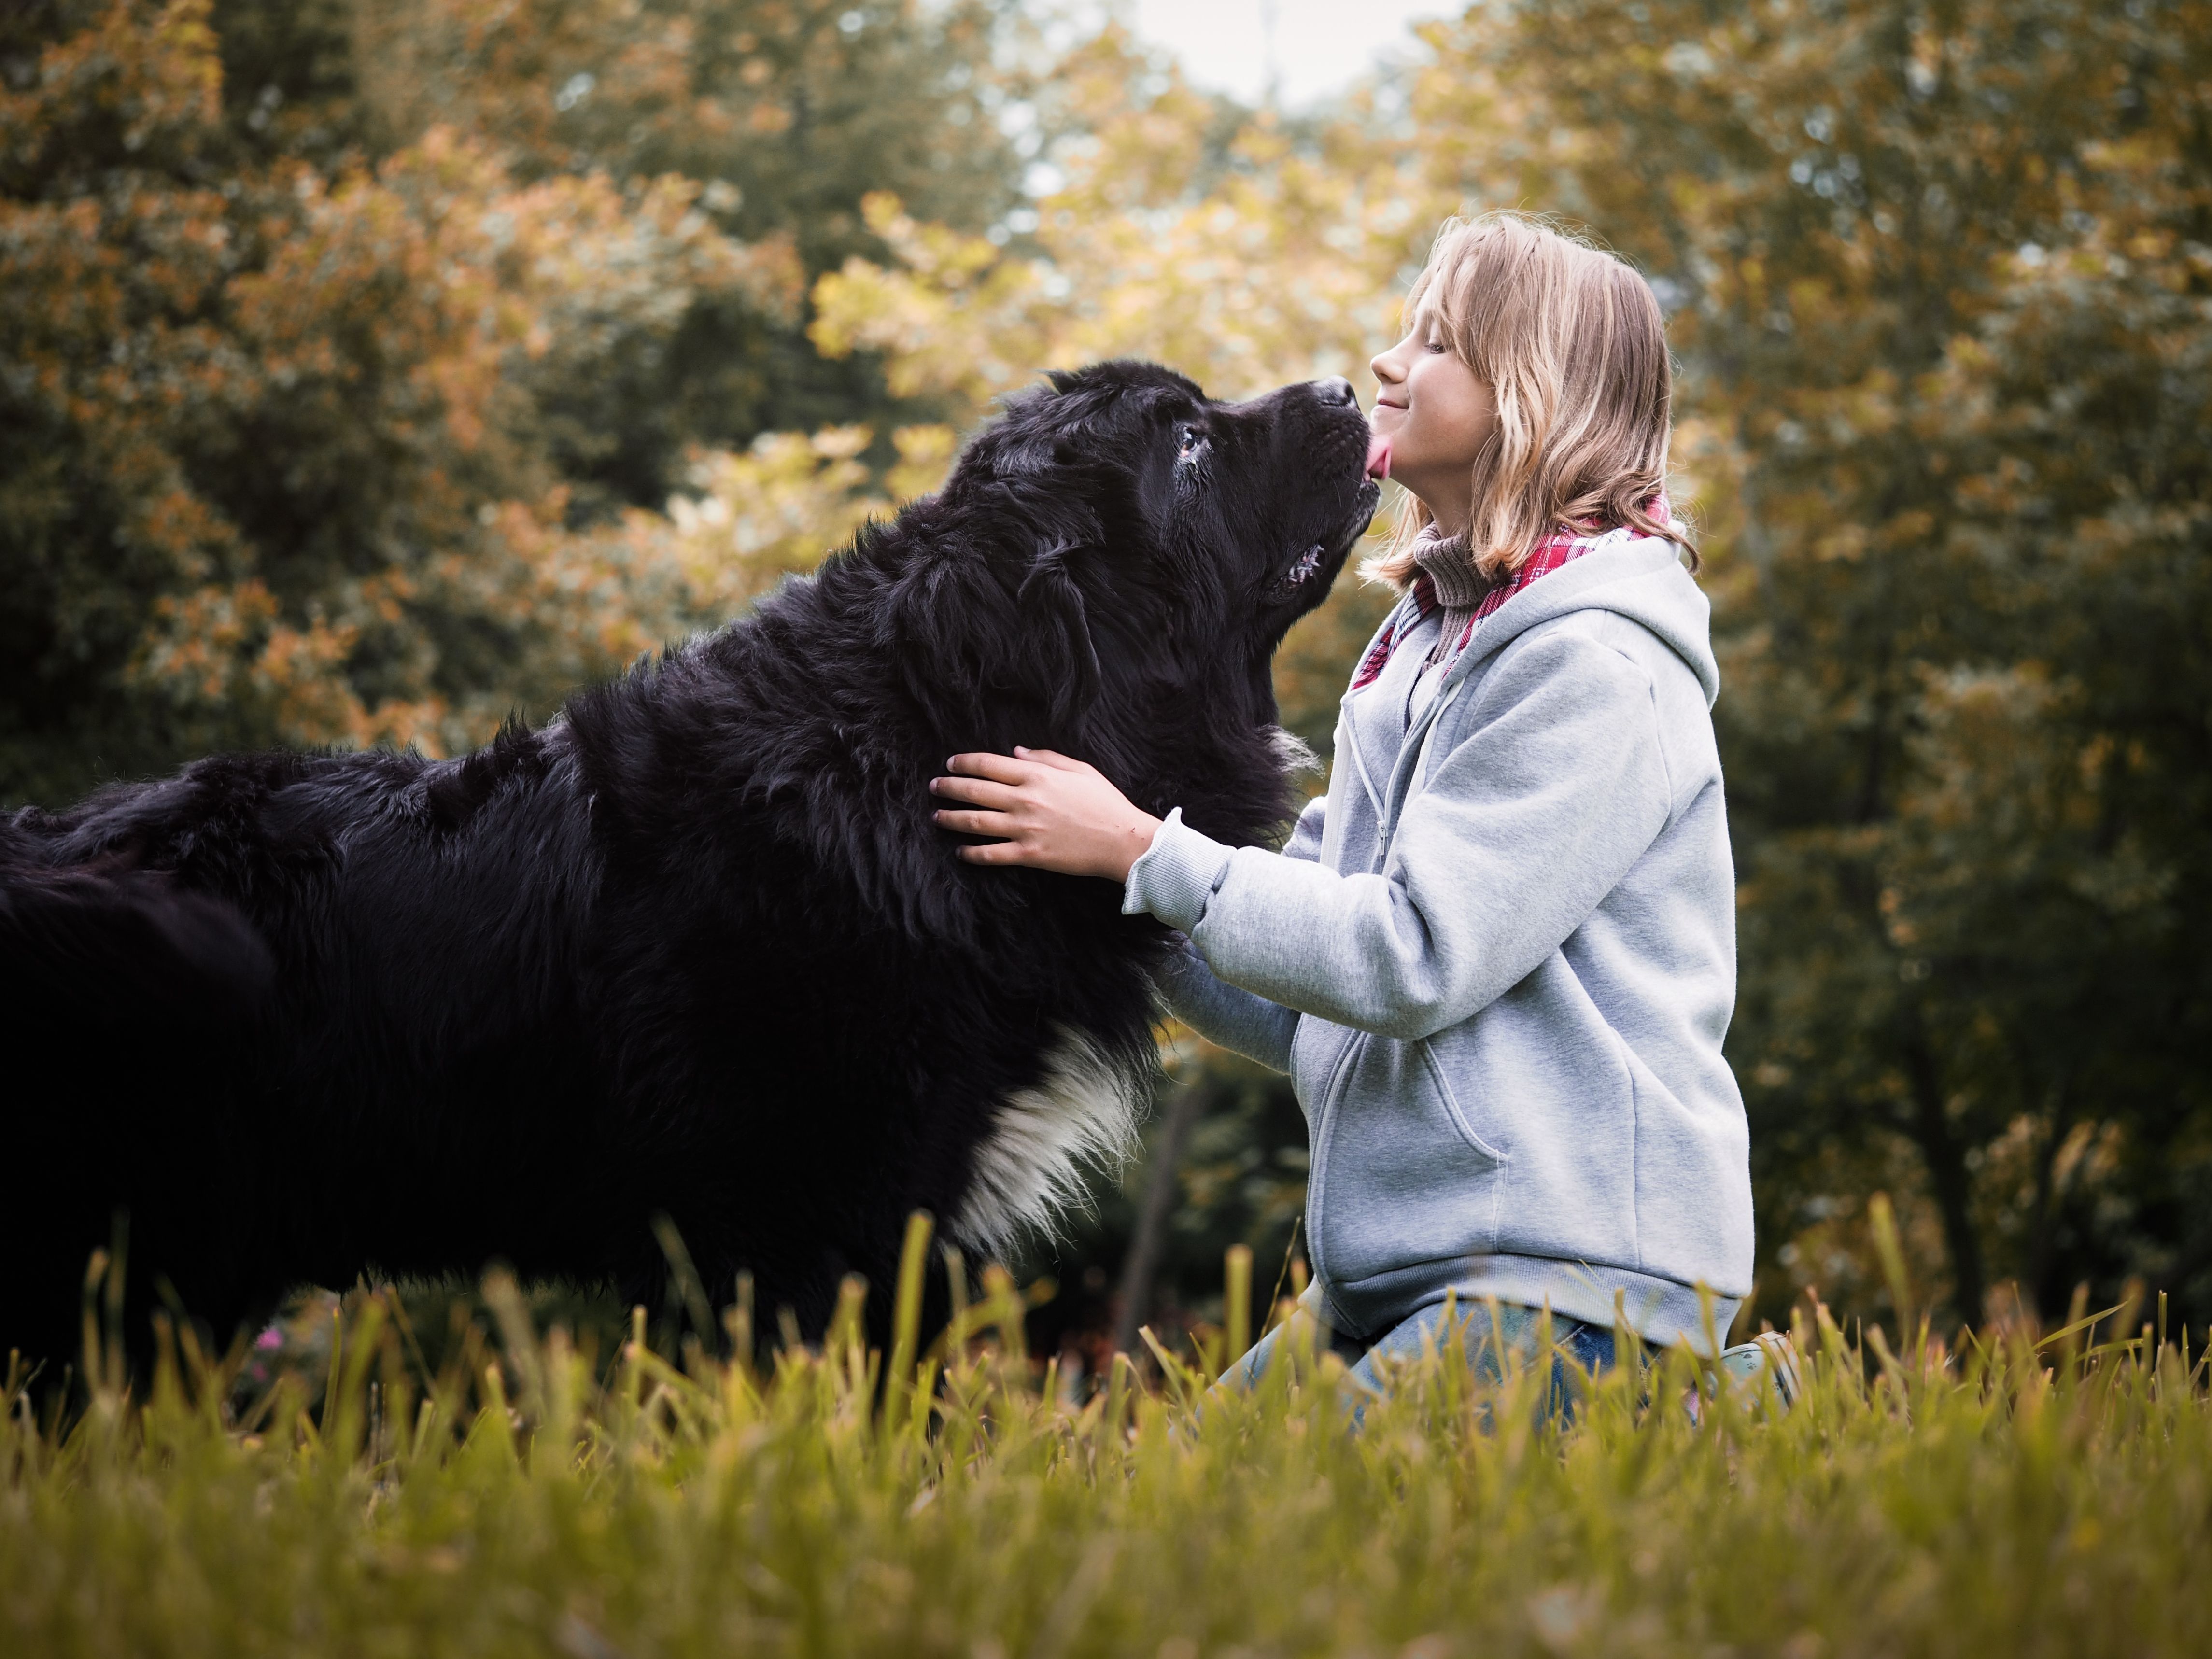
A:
x: 1144, y: 548
x: 1181, y: 514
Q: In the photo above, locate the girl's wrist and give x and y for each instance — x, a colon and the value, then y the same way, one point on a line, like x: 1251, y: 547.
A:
x: 1134, y: 841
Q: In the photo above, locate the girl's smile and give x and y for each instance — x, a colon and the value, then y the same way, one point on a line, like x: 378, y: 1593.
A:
x: 1433, y: 414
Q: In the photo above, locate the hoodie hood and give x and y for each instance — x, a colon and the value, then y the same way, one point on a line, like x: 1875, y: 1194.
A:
x: 1640, y: 577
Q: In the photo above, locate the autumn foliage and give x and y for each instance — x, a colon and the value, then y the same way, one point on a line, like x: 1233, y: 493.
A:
x: 369, y: 371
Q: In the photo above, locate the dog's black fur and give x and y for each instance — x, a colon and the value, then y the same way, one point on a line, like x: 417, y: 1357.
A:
x: 695, y: 948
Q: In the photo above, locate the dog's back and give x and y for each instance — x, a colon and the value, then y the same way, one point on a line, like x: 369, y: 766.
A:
x: 284, y: 1013
x: 694, y: 950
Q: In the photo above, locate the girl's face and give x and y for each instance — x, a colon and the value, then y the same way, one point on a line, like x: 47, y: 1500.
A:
x: 1436, y: 413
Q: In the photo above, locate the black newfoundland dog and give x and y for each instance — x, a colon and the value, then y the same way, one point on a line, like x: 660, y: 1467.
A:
x: 695, y: 948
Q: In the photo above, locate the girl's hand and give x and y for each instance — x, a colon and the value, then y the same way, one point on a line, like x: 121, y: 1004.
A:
x: 1049, y: 812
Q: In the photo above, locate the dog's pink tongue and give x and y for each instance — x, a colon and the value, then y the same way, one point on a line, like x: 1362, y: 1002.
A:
x: 1378, y: 457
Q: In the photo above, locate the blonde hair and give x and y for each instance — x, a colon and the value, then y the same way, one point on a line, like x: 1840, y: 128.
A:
x: 1571, y: 344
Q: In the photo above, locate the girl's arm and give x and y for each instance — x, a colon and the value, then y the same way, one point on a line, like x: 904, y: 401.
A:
x: 1050, y: 812
x: 1516, y: 835
x: 1066, y: 816
x: 1228, y: 1015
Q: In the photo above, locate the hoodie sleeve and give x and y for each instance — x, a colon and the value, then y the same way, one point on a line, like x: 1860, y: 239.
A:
x: 1554, y: 789
x: 1223, y: 1013
x: 1305, y: 836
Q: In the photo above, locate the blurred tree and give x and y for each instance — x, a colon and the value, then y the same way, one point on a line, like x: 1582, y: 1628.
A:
x: 1245, y: 252
x: 789, y: 111
x: 308, y: 366
x: 370, y: 368
x: 1238, y: 1178
x: 1943, y: 279
x: 267, y: 445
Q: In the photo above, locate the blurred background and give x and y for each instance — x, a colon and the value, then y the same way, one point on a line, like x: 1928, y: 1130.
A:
x: 371, y: 368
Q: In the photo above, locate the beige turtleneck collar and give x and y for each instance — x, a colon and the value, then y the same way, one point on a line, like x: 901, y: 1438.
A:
x: 1459, y: 586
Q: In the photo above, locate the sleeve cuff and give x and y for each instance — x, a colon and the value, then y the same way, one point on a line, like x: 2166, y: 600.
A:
x: 1176, y: 875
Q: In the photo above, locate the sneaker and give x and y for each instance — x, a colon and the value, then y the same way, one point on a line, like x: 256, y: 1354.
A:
x: 1767, y: 1356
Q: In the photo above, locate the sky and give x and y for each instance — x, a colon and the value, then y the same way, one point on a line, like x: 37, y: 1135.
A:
x: 1319, y: 46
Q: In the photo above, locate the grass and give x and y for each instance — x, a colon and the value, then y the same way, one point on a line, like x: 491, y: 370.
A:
x: 2015, y: 1496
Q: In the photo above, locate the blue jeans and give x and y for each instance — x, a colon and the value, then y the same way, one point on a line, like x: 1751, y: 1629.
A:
x: 1578, y: 1350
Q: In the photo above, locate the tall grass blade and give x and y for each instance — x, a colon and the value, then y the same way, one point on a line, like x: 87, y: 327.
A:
x: 906, y: 1319
x: 1237, y: 1301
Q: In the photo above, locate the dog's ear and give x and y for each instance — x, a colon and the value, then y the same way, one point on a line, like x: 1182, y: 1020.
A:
x: 943, y: 624
x: 1059, y: 623
x: 994, y: 637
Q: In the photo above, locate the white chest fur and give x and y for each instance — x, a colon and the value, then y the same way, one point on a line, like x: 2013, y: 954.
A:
x: 1084, y: 1110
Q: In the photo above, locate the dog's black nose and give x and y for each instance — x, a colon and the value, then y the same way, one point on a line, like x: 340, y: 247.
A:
x: 1336, y: 390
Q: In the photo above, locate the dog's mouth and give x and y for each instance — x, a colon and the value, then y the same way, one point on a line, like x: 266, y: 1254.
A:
x: 1320, y: 561
x: 1302, y: 572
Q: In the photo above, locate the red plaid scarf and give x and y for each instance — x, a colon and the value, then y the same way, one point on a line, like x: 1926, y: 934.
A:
x: 1555, y: 551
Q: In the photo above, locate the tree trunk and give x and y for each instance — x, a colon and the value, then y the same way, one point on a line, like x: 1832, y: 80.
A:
x: 2043, y: 1256
x: 1143, y: 1260
x: 1930, y: 1130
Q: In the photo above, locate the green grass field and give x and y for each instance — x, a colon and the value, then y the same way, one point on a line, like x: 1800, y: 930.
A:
x: 519, y: 1497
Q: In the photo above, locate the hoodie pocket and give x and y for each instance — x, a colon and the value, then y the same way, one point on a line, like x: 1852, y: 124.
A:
x: 1452, y: 1108
x: 1562, y: 1112
x: 1400, y: 1176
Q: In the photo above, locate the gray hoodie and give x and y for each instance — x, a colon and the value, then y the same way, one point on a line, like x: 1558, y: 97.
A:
x: 1497, y: 960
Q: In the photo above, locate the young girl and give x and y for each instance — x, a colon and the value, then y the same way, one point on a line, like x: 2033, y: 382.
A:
x: 1498, y: 958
